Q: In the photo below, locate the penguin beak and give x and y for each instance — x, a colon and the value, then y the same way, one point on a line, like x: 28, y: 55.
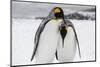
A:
x: 63, y: 33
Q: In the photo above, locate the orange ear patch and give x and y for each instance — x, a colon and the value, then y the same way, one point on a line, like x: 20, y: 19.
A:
x: 57, y: 10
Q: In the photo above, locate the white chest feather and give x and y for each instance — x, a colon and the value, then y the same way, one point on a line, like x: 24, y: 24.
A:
x: 48, y: 42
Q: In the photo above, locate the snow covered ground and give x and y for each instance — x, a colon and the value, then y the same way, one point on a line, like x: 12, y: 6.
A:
x: 23, y: 31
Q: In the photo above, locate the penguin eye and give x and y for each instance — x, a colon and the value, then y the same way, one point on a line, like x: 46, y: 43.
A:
x: 57, y: 10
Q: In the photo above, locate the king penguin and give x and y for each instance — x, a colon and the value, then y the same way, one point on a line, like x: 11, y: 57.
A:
x: 67, y: 47
x: 54, y: 37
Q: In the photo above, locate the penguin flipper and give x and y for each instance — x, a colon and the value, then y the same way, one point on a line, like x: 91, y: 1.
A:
x: 71, y: 25
x: 56, y: 55
x: 77, y: 42
x: 37, y: 36
x: 36, y: 41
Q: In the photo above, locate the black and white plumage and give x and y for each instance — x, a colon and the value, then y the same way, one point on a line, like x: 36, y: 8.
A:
x: 52, y: 37
x: 66, y: 53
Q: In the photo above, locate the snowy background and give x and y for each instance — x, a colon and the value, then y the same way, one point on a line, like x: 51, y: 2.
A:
x: 26, y: 17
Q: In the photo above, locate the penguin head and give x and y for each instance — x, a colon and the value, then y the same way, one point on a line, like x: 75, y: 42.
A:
x: 63, y: 32
x: 58, y: 13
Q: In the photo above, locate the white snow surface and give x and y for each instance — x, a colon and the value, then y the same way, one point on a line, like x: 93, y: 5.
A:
x: 23, y: 32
